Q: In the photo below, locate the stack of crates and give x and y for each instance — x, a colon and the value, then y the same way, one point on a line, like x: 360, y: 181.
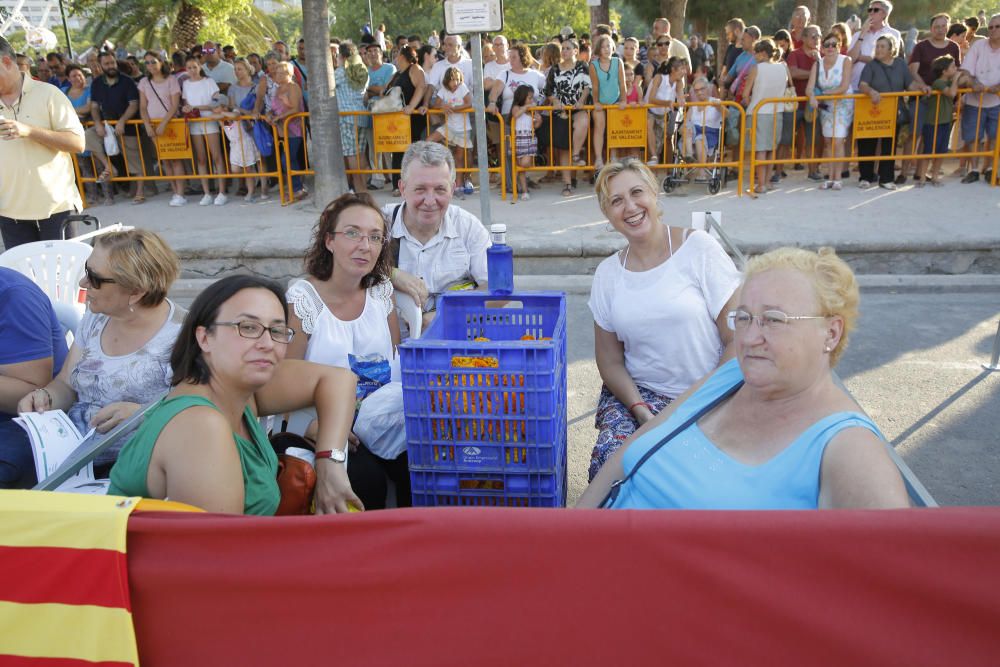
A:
x: 484, y: 395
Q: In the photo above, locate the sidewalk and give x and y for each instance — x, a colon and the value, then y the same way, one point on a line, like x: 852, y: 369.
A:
x: 950, y: 230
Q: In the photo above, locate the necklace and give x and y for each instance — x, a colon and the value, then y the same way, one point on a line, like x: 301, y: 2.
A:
x: 14, y: 108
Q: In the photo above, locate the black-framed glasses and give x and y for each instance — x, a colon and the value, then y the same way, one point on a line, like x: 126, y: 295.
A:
x: 831, y: 45
x: 663, y: 43
x: 356, y: 236
x: 769, y: 320
x: 254, y: 330
x: 95, y: 280
x: 872, y: 10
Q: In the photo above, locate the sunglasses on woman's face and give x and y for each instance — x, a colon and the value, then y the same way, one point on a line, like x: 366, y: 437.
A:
x: 95, y: 280
x: 830, y: 45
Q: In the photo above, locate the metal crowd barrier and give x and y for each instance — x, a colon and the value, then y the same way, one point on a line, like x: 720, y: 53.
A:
x: 364, y: 138
x: 673, y: 155
x: 852, y: 156
x: 143, y: 172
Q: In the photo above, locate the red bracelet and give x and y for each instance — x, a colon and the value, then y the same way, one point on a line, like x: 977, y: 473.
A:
x: 643, y: 403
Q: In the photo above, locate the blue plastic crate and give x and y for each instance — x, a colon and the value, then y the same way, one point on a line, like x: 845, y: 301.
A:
x: 433, y: 488
x: 495, y: 405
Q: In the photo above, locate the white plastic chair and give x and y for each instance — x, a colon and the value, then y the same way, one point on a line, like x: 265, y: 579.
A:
x: 410, y: 312
x: 56, y: 267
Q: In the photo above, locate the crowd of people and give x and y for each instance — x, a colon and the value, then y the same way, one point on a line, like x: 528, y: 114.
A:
x: 580, y: 77
x: 321, y: 351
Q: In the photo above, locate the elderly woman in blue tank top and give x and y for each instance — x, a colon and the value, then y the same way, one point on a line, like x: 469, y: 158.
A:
x: 769, y: 429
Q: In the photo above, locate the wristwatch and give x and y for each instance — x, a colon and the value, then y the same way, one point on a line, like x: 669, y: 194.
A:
x: 335, y: 455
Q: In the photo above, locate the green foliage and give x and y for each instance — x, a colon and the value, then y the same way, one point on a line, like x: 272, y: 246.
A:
x: 147, y: 23
x: 288, y: 22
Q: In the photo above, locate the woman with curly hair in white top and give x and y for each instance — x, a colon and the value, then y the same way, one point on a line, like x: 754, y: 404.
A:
x: 345, y: 310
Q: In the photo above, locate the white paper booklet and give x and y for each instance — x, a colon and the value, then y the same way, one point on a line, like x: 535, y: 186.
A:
x: 54, y: 438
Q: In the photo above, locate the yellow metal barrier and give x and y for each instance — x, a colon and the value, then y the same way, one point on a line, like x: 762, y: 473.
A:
x: 143, y: 174
x: 915, y: 124
x: 664, y: 163
x: 467, y: 152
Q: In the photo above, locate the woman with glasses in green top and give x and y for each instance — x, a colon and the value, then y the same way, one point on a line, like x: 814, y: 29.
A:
x: 203, y: 444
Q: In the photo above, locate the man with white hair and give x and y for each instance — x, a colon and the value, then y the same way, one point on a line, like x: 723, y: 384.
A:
x: 436, y: 245
x: 862, y: 49
x: 798, y: 23
x: 982, y: 105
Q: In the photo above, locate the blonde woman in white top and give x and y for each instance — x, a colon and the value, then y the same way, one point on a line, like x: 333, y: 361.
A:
x: 345, y: 312
x: 768, y: 79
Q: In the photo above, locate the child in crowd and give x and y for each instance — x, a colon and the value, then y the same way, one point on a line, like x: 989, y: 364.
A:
x: 456, y: 133
x: 666, y: 91
x: 703, y: 125
x: 243, y: 154
x: 936, y: 114
x: 526, y: 145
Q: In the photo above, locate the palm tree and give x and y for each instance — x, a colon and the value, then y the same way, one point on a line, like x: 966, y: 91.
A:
x: 174, y: 23
x: 326, y: 156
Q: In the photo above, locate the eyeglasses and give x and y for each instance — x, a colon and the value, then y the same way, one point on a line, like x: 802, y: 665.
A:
x: 831, y: 45
x: 356, y: 236
x: 663, y: 43
x: 150, y: 62
x: 95, y: 280
x: 769, y: 320
x: 254, y: 330
x: 873, y: 10
x: 208, y: 50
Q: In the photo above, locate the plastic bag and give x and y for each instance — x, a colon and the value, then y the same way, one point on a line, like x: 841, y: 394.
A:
x: 263, y: 138
x: 111, y: 148
x: 380, y: 423
x: 373, y: 371
x: 390, y: 102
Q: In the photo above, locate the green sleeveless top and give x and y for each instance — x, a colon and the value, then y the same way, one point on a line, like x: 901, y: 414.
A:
x: 257, y: 457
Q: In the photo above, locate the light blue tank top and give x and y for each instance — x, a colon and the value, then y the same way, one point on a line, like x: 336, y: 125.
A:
x: 607, y: 82
x: 690, y: 472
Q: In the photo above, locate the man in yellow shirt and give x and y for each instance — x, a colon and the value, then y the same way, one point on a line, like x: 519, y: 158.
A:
x: 39, y: 132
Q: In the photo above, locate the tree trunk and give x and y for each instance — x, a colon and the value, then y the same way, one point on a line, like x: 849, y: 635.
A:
x: 826, y: 14
x: 675, y: 12
x: 326, y: 155
x: 813, y: 6
x: 599, y: 15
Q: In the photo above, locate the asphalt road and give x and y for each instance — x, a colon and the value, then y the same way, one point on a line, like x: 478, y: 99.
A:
x: 914, y: 363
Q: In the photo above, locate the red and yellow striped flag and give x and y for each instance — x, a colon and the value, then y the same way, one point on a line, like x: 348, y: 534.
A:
x: 64, y: 597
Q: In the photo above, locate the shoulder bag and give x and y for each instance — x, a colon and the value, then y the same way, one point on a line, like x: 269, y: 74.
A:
x: 612, y: 496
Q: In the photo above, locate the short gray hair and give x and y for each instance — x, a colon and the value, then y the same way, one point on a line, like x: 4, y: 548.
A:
x: 812, y: 27
x: 428, y: 154
x: 753, y: 30
x: 6, y: 50
x: 887, y: 4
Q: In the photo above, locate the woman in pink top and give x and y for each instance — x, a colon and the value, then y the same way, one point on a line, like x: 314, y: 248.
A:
x: 288, y: 101
x: 159, y: 100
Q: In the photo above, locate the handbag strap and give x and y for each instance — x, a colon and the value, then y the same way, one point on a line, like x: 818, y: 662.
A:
x: 612, y: 495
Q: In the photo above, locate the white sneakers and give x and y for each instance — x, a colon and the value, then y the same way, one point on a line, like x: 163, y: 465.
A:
x: 178, y: 200
x: 221, y: 199
x: 206, y: 201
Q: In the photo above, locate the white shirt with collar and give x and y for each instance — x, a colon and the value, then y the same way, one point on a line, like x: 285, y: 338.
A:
x: 868, y: 49
x: 456, y: 252
x: 436, y: 75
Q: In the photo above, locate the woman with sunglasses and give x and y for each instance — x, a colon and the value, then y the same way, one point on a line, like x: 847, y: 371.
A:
x: 345, y: 310
x: 203, y: 444
x: 831, y: 75
x: 119, y: 358
x: 769, y: 429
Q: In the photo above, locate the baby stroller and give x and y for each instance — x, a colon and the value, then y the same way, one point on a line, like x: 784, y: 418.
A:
x: 697, y: 139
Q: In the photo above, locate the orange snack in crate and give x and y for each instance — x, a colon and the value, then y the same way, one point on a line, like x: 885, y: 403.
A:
x: 475, y: 362
x: 527, y: 337
x: 480, y: 339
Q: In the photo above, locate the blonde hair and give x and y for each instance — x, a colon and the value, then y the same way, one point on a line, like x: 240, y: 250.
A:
x: 616, y: 167
x: 141, y: 260
x: 832, y: 280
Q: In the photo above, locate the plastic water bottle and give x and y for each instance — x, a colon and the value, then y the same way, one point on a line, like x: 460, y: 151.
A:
x: 500, y: 262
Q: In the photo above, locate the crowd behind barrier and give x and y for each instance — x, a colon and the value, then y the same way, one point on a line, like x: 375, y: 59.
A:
x: 677, y: 142
x: 176, y: 144
x: 905, y: 141
x: 395, y: 133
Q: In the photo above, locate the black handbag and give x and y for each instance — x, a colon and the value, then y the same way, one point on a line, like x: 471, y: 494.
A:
x: 612, y: 496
